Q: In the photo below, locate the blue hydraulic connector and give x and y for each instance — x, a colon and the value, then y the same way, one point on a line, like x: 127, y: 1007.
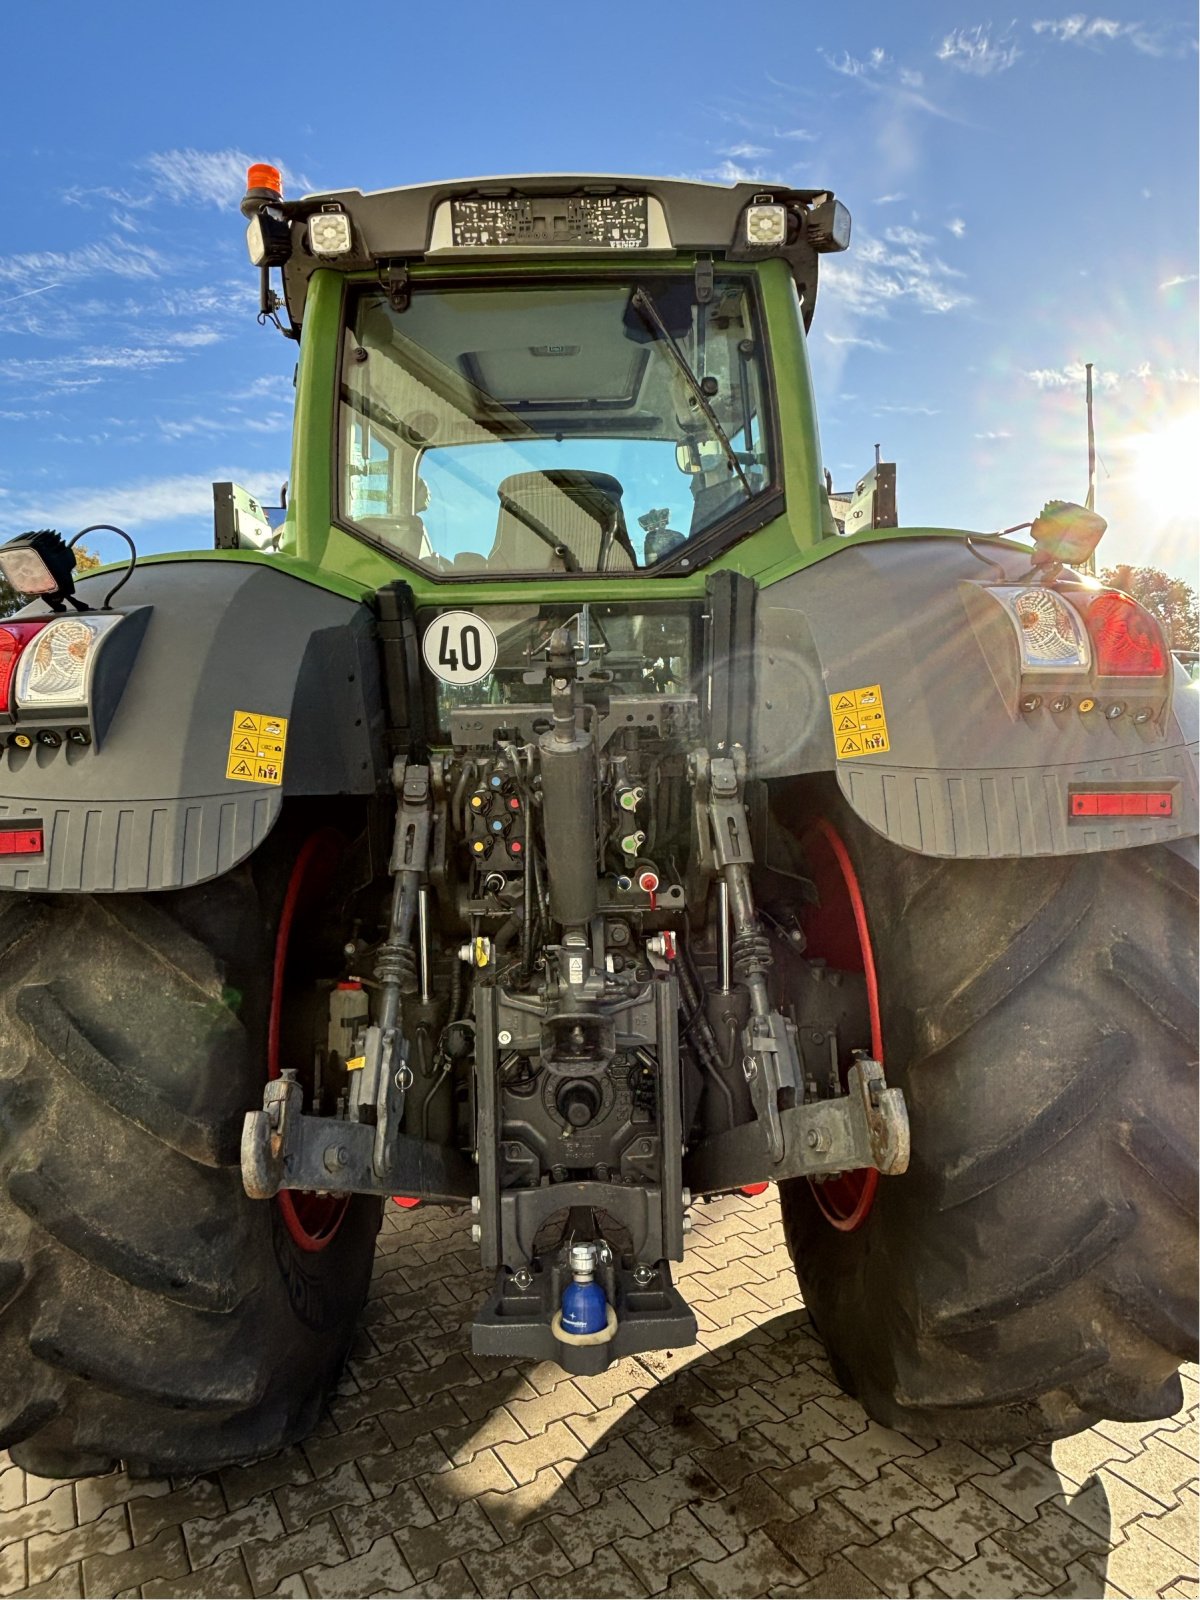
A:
x: 584, y: 1306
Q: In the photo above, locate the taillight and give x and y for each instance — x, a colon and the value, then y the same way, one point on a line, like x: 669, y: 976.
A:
x: 1049, y: 631
x: 1127, y: 641
x: 14, y: 636
x: 56, y: 672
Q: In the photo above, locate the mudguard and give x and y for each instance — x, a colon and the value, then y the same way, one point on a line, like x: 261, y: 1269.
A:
x: 153, y: 805
x: 964, y: 773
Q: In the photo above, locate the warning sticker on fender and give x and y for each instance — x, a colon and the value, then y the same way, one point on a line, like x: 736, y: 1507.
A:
x: 859, y: 722
x: 257, y: 745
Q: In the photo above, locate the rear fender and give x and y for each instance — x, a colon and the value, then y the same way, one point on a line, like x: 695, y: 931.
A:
x: 153, y: 806
x: 965, y: 773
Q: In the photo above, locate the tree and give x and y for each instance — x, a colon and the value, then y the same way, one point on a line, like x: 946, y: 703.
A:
x: 10, y: 601
x: 1171, y: 600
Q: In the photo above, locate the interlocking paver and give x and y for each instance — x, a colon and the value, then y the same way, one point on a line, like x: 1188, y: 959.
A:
x: 826, y: 1531
x: 960, y: 1524
x: 758, y: 1566
x: 993, y: 1571
x: 271, y: 1560
x: 163, y: 1556
x: 534, y: 1554
x: 512, y: 1508
x: 735, y: 1466
x: 445, y: 1490
x: 902, y: 1556
x: 54, y: 1514
x: 605, y: 1575
x: 224, y: 1579
x: 360, y: 1525
x: 1051, y: 1542
x: 46, y: 1552
x: 209, y: 1537
x: 581, y: 1536
x: 379, y: 1569
x: 657, y: 1557
x: 428, y: 1547
x: 149, y: 1514
x: 893, y: 1494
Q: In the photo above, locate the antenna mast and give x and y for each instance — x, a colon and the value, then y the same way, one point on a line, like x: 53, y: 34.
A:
x: 1089, y: 565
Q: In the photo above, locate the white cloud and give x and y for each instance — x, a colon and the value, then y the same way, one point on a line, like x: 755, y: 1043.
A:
x: 214, y: 177
x: 1174, y: 283
x: 795, y: 133
x: 907, y: 411
x: 957, y: 227
x: 43, y: 287
x: 1078, y: 29
x: 890, y: 199
x: 882, y: 273
x: 119, y: 259
x: 875, y: 73
x: 995, y: 433
x: 974, y: 50
x: 728, y: 171
x: 133, y: 505
x: 855, y: 340
x: 1074, y: 376
x: 746, y: 152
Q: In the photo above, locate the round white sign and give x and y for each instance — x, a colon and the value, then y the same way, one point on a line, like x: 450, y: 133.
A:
x: 459, y: 647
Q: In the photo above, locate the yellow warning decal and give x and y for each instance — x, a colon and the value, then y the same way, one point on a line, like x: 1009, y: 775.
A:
x: 859, y: 722
x: 257, y: 743
x: 356, y: 1063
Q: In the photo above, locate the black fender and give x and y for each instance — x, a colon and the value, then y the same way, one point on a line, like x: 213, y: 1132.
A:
x: 151, y: 805
x: 965, y: 773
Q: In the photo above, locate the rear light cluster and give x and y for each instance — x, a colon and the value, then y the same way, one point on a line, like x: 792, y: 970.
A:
x: 46, y: 670
x: 1102, y: 629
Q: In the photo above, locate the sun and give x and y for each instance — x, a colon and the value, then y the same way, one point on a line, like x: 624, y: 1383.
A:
x: 1161, y: 466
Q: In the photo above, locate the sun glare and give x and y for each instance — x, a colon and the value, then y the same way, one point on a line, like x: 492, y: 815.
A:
x: 1161, y: 466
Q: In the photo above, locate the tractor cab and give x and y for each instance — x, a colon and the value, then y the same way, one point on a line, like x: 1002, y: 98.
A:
x: 540, y: 377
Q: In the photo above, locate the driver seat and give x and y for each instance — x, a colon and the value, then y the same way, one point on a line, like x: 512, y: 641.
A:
x: 577, y: 506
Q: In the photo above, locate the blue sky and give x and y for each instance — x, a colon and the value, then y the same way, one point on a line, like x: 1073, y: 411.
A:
x: 1023, y: 187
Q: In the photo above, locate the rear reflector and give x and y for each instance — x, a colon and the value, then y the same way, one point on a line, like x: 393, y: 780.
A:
x: 21, y: 842
x: 1153, y: 803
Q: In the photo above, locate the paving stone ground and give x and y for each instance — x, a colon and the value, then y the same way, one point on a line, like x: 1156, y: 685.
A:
x: 735, y: 1467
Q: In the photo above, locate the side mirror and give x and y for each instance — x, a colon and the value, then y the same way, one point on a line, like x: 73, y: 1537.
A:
x: 687, y: 459
x: 1066, y: 532
x: 239, y: 521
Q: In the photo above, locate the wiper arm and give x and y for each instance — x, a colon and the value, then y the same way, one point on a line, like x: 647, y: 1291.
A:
x: 643, y: 303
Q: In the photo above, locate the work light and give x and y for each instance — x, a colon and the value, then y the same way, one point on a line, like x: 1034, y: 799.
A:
x: 39, y: 563
x: 329, y: 233
x: 766, y: 225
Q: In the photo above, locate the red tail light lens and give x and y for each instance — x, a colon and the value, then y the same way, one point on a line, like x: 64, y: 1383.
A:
x: 1127, y: 641
x: 14, y: 636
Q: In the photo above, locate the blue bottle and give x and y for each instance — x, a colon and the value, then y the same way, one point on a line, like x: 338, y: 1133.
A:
x: 584, y: 1304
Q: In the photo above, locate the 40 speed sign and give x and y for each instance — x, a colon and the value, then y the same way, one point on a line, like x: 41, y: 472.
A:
x: 459, y: 647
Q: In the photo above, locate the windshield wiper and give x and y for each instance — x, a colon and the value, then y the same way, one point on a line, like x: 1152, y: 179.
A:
x: 643, y: 303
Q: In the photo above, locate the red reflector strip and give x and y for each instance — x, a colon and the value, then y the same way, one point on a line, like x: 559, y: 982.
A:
x: 408, y: 1201
x: 21, y: 842
x: 1146, y: 804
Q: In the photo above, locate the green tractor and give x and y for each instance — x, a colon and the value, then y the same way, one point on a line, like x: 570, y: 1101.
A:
x: 557, y: 816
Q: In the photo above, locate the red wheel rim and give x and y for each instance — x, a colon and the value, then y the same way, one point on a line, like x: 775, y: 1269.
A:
x: 837, y: 930
x: 311, y: 1220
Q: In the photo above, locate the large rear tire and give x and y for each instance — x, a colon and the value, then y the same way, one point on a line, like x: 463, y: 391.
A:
x: 149, y: 1311
x: 1035, y: 1269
